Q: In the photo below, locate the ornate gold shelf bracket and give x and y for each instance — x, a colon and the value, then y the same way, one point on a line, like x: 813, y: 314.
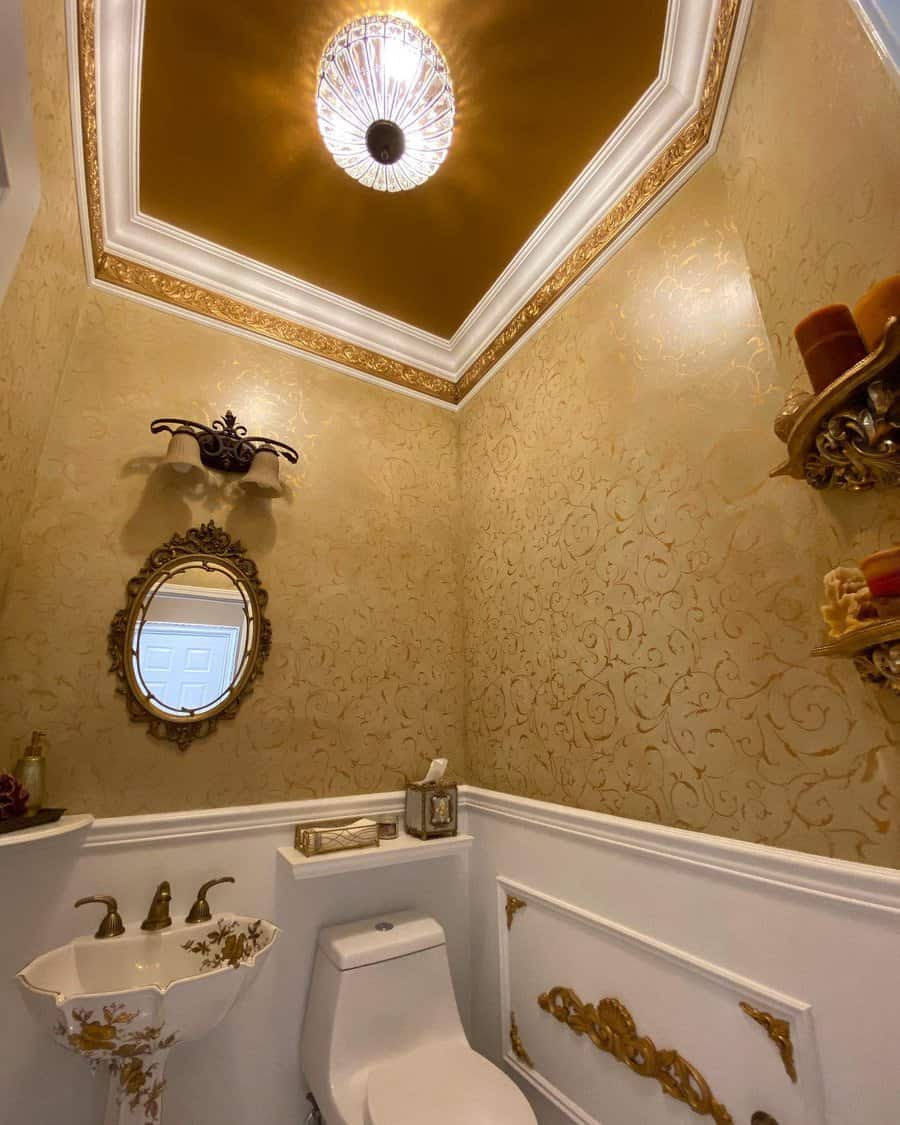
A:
x: 848, y: 436
x: 513, y: 906
x: 779, y: 1031
x: 611, y: 1028
x: 515, y: 1041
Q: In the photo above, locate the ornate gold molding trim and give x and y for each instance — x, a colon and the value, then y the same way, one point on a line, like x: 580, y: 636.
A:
x: 180, y: 294
x: 686, y: 145
x: 193, y: 298
x: 513, y: 906
x: 779, y: 1031
x: 515, y: 1041
x: 611, y: 1028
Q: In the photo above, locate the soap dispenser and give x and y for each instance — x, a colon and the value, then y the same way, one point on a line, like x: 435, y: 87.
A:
x: 31, y: 771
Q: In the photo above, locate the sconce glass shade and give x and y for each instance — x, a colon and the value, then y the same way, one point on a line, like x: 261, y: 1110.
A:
x: 263, y: 473
x: 183, y: 453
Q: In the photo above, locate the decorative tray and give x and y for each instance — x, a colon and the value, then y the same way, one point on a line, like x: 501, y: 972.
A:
x: 31, y: 820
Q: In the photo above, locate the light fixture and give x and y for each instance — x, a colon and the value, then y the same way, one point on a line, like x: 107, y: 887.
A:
x: 226, y: 446
x: 263, y: 474
x: 385, y: 102
x: 183, y: 453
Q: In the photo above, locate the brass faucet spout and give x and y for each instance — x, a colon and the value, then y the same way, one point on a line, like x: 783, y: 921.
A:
x: 158, y: 916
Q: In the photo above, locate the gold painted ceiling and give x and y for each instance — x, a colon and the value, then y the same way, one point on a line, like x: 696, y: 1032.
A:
x: 230, y: 150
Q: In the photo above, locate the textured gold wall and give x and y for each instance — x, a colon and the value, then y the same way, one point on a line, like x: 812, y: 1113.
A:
x: 640, y: 598
x: 39, y: 313
x: 812, y: 164
x: 360, y: 558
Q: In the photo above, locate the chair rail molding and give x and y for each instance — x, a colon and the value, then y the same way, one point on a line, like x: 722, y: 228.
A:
x: 842, y: 881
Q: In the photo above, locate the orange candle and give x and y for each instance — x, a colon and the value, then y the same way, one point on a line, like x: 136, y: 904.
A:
x: 829, y: 343
x: 873, y: 310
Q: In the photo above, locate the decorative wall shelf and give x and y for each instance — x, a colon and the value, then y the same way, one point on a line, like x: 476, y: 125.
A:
x: 848, y: 436
x: 62, y: 827
x: 874, y: 650
x: 405, y: 849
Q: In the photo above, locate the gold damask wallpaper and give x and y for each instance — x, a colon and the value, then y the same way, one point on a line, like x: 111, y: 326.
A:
x: 39, y: 313
x: 360, y: 559
x: 640, y: 599
x: 583, y: 588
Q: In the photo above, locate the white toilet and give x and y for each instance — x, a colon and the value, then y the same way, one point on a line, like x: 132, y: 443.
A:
x: 382, y: 1039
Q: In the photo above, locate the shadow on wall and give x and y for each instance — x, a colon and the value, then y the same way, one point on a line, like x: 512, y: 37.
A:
x: 169, y: 501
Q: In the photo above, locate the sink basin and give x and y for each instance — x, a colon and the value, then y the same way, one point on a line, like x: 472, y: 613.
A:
x: 127, y: 1001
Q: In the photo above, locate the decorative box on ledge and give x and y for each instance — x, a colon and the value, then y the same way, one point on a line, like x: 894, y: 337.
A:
x: 874, y: 649
x: 848, y: 436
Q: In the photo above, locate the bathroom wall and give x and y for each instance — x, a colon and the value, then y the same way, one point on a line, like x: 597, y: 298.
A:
x: 641, y: 600
x: 360, y: 557
x: 40, y: 311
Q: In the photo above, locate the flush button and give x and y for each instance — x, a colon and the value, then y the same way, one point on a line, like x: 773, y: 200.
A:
x: 383, y: 927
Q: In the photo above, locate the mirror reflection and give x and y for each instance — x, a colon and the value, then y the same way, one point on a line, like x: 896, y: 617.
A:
x: 191, y: 638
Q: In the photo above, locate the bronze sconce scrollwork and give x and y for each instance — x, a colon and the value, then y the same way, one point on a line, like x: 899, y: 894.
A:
x: 225, y: 446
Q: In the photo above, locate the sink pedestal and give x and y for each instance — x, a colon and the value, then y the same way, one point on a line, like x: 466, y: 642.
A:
x: 135, y: 1091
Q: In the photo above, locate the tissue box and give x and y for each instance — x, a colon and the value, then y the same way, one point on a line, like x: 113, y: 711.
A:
x: 335, y: 836
x: 431, y: 809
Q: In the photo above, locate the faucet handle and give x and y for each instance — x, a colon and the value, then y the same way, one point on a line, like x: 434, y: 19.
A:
x: 112, y: 924
x: 200, y: 911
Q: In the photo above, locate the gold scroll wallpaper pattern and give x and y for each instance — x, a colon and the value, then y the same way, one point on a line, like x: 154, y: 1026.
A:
x: 812, y: 164
x: 40, y: 310
x: 640, y: 599
x: 360, y: 558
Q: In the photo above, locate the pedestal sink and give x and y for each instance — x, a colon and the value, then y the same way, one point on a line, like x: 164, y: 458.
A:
x: 127, y: 1001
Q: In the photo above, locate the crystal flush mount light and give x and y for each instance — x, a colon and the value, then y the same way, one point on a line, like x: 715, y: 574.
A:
x: 385, y: 102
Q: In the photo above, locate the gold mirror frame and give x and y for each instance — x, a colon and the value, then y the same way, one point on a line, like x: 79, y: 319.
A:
x: 207, y: 542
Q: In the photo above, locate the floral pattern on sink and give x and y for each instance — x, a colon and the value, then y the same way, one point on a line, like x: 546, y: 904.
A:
x: 127, y: 1050
x: 229, y: 943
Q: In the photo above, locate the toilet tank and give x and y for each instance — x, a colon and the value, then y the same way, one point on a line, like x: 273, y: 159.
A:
x: 381, y: 987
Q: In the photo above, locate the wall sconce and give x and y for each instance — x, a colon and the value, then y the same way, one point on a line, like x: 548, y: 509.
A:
x: 225, y: 446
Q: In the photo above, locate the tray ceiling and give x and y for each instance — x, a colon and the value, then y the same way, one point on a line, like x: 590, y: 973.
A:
x: 206, y: 186
x: 230, y: 148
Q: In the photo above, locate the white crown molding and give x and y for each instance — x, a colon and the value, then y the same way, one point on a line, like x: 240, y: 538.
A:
x: 665, y: 108
x: 20, y: 181
x: 881, y: 22
x: 839, y: 880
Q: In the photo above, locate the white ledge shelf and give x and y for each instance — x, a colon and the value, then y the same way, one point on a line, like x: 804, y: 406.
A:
x: 62, y: 827
x: 405, y: 849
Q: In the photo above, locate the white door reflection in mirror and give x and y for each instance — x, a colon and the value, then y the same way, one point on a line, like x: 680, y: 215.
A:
x: 191, y: 640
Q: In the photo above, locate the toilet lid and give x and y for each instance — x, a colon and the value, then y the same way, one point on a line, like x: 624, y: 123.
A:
x: 451, y: 1085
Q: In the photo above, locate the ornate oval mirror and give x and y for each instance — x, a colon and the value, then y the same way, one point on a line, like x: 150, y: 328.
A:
x: 192, y: 637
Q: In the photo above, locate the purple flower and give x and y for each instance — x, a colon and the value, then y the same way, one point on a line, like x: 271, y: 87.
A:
x: 13, y: 797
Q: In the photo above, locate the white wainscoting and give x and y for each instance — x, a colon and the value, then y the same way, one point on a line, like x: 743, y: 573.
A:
x: 681, y: 926
x: 677, y: 919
